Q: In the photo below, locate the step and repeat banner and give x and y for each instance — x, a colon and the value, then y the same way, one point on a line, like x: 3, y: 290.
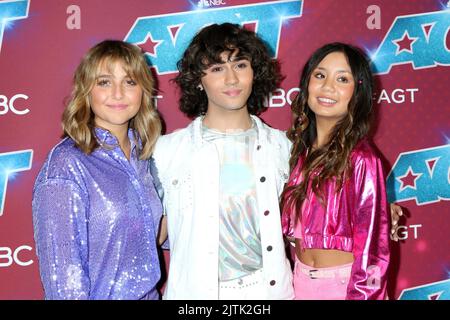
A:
x: 42, y: 42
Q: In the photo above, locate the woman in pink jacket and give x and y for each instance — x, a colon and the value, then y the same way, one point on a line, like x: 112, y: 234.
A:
x: 334, y: 204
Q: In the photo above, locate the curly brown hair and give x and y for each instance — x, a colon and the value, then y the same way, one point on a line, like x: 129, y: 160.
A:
x: 332, y: 159
x: 206, y: 49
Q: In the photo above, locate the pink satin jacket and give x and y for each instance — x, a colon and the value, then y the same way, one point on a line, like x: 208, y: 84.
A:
x: 354, y: 219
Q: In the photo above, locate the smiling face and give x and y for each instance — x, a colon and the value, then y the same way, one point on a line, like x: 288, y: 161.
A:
x: 115, y: 97
x: 228, y: 85
x: 331, y: 87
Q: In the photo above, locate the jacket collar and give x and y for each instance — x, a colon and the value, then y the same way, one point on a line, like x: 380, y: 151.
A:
x: 106, y: 138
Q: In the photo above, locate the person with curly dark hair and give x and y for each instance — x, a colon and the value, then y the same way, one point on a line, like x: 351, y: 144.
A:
x: 207, y: 49
x: 222, y: 174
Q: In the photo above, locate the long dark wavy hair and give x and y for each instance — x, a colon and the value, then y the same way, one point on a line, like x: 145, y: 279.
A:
x: 330, y: 161
x: 206, y: 49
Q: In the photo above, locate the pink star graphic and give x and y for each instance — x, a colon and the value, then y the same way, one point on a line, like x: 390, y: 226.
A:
x: 409, y: 179
x: 149, y: 44
x: 405, y: 43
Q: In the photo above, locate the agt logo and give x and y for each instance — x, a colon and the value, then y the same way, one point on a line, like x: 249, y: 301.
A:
x: 418, y: 39
x: 433, y: 291
x: 422, y: 175
x: 10, y: 163
x: 10, y: 11
x: 165, y: 37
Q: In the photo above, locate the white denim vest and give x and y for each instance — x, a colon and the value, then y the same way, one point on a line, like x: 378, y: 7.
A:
x: 188, y: 169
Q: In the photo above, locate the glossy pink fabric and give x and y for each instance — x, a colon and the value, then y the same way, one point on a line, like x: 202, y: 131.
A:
x: 330, y: 288
x: 355, y: 219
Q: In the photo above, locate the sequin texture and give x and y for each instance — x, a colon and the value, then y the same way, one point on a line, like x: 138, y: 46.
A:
x: 95, y: 223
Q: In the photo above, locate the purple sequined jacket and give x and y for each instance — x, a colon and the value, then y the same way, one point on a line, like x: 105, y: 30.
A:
x: 95, y: 222
x: 354, y: 219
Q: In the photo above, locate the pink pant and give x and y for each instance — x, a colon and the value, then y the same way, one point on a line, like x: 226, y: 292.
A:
x: 321, y: 283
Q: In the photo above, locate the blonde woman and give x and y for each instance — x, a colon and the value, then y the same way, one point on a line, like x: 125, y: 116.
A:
x: 95, y: 208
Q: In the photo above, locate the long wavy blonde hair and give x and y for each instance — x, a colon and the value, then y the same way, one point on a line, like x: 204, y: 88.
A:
x: 78, y: 118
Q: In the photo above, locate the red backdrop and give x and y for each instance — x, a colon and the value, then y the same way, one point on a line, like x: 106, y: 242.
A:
x: 41, y: 43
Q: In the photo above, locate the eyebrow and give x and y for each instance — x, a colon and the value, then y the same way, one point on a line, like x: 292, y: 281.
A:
x: 339, y: 71
x: 105, y: 76
x: 238, y: 58
x: 232, y: 60
x: 111, y: 76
